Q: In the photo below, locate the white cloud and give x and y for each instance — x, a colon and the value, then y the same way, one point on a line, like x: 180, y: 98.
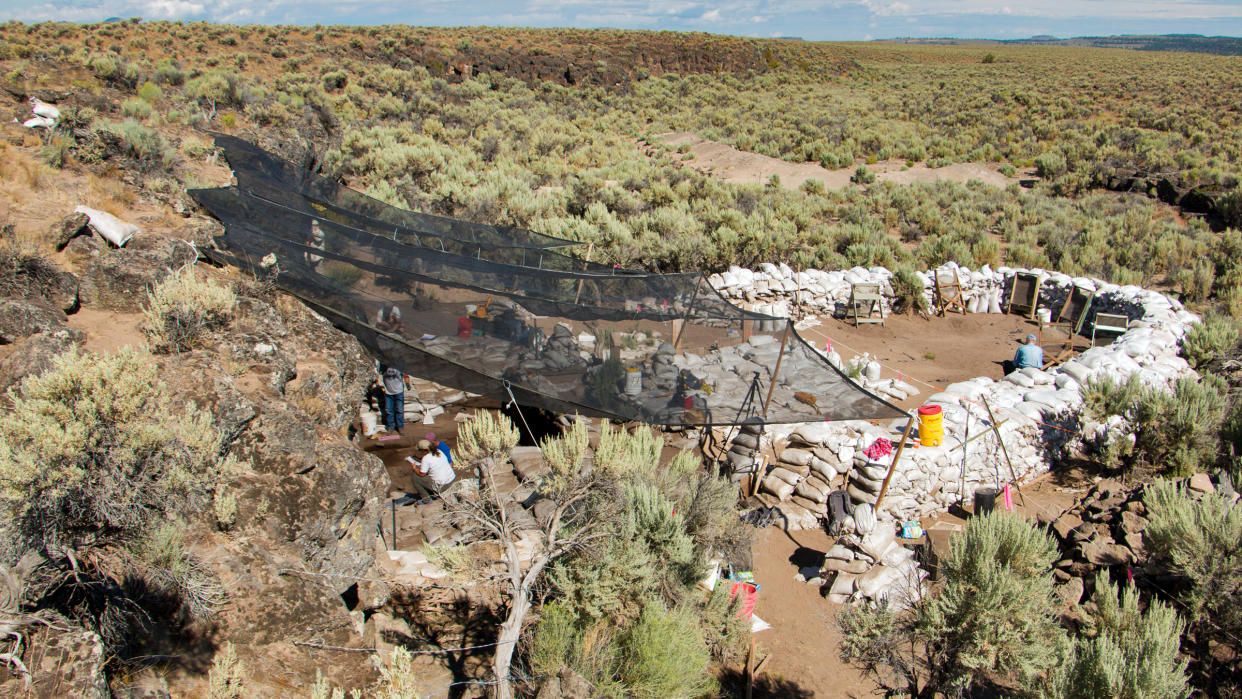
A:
x: 711, y: 15
x: 170, y: 9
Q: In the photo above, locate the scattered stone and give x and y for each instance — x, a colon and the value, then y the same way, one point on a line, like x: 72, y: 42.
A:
x: 1202, y: 483
x: 1070, y: 593
x: 1132, y: 523
x: 1066, y: 524
x: 1107, y: 553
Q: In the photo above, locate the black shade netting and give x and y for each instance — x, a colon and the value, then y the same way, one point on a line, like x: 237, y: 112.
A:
x: 655, y: 368
x: 547, y: 292
x: 258, y: 169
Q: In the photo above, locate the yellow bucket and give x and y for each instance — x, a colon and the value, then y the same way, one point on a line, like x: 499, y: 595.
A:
x: 931, y: 425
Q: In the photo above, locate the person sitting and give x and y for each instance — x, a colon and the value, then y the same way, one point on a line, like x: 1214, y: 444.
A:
x: 1028, y: 355
x: 437, y: 444
x: 389, y: 321
x: 432, y: 473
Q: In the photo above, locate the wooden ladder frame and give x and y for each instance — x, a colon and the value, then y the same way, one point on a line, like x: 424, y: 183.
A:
x: 1030, y: 301
x: 948, y: 295
x: 874, y: 299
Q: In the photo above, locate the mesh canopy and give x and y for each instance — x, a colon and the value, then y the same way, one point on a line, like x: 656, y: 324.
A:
x: 255, y: 167
x: 662, y: 349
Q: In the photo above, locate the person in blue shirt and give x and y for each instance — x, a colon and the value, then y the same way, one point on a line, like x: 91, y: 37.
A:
x: 1030, y: 354
x: 444, y: 448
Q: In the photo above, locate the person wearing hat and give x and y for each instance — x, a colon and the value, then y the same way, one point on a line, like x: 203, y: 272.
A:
x: 1029, y: 354
x: 441, y: 446
x: 314, y: 240
x: 432, y: 472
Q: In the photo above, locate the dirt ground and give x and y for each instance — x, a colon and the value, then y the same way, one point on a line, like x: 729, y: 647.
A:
x: 733, y: 165
x: 803, y: 641
x: 931, y: 353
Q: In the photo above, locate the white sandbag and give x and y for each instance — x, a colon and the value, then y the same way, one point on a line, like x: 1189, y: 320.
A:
x: 878, y: 542
x: 879, y: 577
x: 906, y: 388
x: 809, y: 490
x: 786, y: 475
x: 859, y: 495
x: 815, y: 433
x: 111, y: 228
x: 1020, y: 379
x: 838, y: 551
x: 843, y: 584
x: 39, y: 122
x: 824, y: 469
x: 777, y: 487
x: 798, y: 457
x: 973, y: 305
x: 871, y: 371
x: 897, y: 556
x: 994, y: 302
x: 863, y: 519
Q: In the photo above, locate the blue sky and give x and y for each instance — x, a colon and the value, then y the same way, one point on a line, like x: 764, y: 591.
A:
x: 809, y: 19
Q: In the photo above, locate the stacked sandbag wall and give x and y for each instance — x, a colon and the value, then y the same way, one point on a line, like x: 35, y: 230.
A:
x: 1039, y: 412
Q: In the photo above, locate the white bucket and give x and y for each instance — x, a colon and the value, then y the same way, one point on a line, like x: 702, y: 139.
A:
x: 1045, y: 315
x: 633, y: 381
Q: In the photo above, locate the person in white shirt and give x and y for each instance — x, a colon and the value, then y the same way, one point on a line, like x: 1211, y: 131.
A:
x: 432, y: 472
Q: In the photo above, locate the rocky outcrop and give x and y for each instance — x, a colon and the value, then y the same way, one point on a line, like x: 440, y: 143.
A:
x: 62, y: 664
x: 22, y: 317
x: 34, y: 354
x: 120, y: 279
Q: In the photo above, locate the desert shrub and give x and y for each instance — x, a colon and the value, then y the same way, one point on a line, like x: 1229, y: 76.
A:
x: 227, y: 677
x: 989, y: 622
x: 1217, y: 335
x: 341, y: 272
x: 168, y: 73
x: 862, y: 175
x: 141, y: 144
x: 136, y: 108
x: 1104, y: 396
x: 1126, y: 653
x: 182, y: 307
x: 1178, y: 430
x: 215, y: 89
x: 1195, y: 539
x: 94, y: 448
x: 908, y: 290
x: 663, y: 655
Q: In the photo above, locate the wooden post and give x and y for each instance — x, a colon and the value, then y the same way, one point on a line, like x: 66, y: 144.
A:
x: 750, y: 678
x: 1004, y: 450
x: 777, y: 371
x: 686, y: 316
x: 893, y: 466
x: 962, y: 493
x: 590, y: 249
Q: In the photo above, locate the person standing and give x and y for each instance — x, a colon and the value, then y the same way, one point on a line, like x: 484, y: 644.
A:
x: 394, y: 397
x: 441, y: 446
x: 432, y: 473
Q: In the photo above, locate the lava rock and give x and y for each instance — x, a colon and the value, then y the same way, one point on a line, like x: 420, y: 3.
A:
x: 24, y: 317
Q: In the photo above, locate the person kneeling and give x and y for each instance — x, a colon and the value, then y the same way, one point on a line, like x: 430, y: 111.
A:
x: 432, y: 473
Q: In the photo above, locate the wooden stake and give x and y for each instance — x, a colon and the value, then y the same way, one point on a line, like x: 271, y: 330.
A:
x: 777, y: 371
x: 893, y: 466
x: 759, y: 668
x: 682, y: 330
x: 750, y: 677
x: 1005, y: 450
x: 590, y: 249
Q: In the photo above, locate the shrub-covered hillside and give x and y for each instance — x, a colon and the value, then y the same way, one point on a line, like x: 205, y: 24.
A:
x: 553, y: 130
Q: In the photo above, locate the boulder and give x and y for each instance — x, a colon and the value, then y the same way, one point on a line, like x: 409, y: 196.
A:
x: 68, y: 228
x: 33, y: 355
x: 1066, y: 524
x: 1202, y: 483
x: 25, y: 317
x: 28, y: 276
x: 1104, y: 552
x: 1070, y: 594
x: 120, y: 279
x: 69, y: 663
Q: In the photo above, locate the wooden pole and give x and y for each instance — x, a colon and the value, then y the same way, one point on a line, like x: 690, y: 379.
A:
x: 777, y: 371
x: 962, y: 493
x: 590, y: 249
x: 750, y: 678
x: 686, y: 316
x: 1004, y: 450
x: 893, y: 466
